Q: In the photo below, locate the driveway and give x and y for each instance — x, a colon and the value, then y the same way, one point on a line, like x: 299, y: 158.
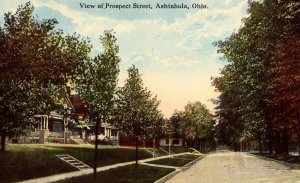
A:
x: 234, y: 167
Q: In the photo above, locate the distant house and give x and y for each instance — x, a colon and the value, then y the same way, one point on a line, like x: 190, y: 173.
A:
x: 56, y: 128
x: 171, y: 141
x: 108, y: 134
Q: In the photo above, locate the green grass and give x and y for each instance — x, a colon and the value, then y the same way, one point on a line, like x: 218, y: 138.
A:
x: 281, y: 157
x: 175, y: 149
x: 178, y: 161
x: 21, y: 162
x: 160, y: 152
x: 126, y: 174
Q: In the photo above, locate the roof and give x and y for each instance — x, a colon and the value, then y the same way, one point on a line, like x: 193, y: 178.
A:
x: 173, y: 136
x: 78, y: 105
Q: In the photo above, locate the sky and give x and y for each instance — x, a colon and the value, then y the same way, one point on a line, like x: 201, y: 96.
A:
x: 172, y: 48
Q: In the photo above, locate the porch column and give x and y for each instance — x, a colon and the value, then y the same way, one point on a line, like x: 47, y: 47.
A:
x: 65, y: 121
x: 47, y: 122
x: 44, y: 123
x: 41, y: 128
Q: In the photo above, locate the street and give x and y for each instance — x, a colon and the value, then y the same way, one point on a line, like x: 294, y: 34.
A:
x: 236, y: 168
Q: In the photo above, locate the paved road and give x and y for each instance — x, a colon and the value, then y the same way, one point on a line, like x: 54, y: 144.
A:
x: 233, y: 167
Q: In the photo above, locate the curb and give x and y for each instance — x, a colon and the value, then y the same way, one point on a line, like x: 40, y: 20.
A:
x: 181, y: 169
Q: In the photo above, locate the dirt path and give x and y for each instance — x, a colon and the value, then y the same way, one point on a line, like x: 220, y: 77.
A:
x: 233, y: 167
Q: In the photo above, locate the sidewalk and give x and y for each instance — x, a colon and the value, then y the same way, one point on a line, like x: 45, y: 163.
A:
x: 57, y: 177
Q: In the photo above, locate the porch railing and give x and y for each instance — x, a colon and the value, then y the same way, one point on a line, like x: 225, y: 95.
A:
x: 56, y: 134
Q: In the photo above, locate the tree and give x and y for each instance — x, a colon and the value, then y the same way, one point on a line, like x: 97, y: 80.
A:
x: 176, y: 118
x: 284, y: 92
x: 19, y: 103
x: 199, y: 122
x: 97, y: 82
x: 168, y: 131
x: 35, y: 61
x: 195, y: 124
x: 246, y: 83
x: 137, y: 113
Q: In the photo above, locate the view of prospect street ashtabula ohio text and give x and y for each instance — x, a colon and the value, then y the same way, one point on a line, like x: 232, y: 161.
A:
x: 150, y: 91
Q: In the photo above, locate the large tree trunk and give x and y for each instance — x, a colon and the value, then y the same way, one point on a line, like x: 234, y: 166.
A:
x: 259, y: 144
x: 136, y: 152
x: 153, y: 144
x: 3, y: 138
x: 277, y: 143
x: 285, y: 142
x: 96, y: 148
x: 298, y: 134
x: 270, y: 139
x: 270, y: 130
x: 236, y: 147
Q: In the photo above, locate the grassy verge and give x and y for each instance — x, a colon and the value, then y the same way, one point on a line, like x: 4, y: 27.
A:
x: 126, y: 174
x: 175, y: 149
x: 178, y: 161
x: 294, y: 160
x: 21, y: 162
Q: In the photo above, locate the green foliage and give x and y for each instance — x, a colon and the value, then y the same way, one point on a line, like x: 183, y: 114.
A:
x: 137, y: 110
x: 97, y: 80
x: 35, y: 62
x: 198, y: 120
x: 194, y: 123
x: 34, y: 50
x: 176, y: 119
x: 168, y: 130
x: 246, y: 82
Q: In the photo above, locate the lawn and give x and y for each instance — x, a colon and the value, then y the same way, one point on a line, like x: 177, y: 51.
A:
x: 178, y: 161
x: 22, y: 162
x: 175, y: 149
x: 126, y: 174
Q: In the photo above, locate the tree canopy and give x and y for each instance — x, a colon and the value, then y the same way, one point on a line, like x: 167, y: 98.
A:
x: 137, y: 110
x: 195, y: 124
x: 97, y: 83
x: 259, y: 56
x: 35, y: 61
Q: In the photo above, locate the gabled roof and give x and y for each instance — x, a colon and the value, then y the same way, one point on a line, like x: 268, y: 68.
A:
x: 77, y: 105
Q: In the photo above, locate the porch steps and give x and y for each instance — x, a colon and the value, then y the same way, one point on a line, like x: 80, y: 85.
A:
x: 77, y: 141
x: 115, y: 142
x: 73, y: 161
x: 151, y: 151
x: 167, y: 152
x: 194, y: 151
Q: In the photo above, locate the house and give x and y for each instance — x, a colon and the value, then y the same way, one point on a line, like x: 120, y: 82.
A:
x: 171, y: 141
x: 59, y: 128
x: 108, y: 134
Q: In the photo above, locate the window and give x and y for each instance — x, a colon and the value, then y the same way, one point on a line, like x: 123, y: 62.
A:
x: 167, y: 141
x: 101, y: 130
x: 57, y: 127
x: 175, y: 141
x: 114, y: 132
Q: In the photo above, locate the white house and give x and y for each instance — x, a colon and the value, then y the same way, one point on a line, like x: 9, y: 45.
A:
x: 173, y: 141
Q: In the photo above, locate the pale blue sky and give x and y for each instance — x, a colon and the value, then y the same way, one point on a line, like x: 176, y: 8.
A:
x: 172, y: 48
